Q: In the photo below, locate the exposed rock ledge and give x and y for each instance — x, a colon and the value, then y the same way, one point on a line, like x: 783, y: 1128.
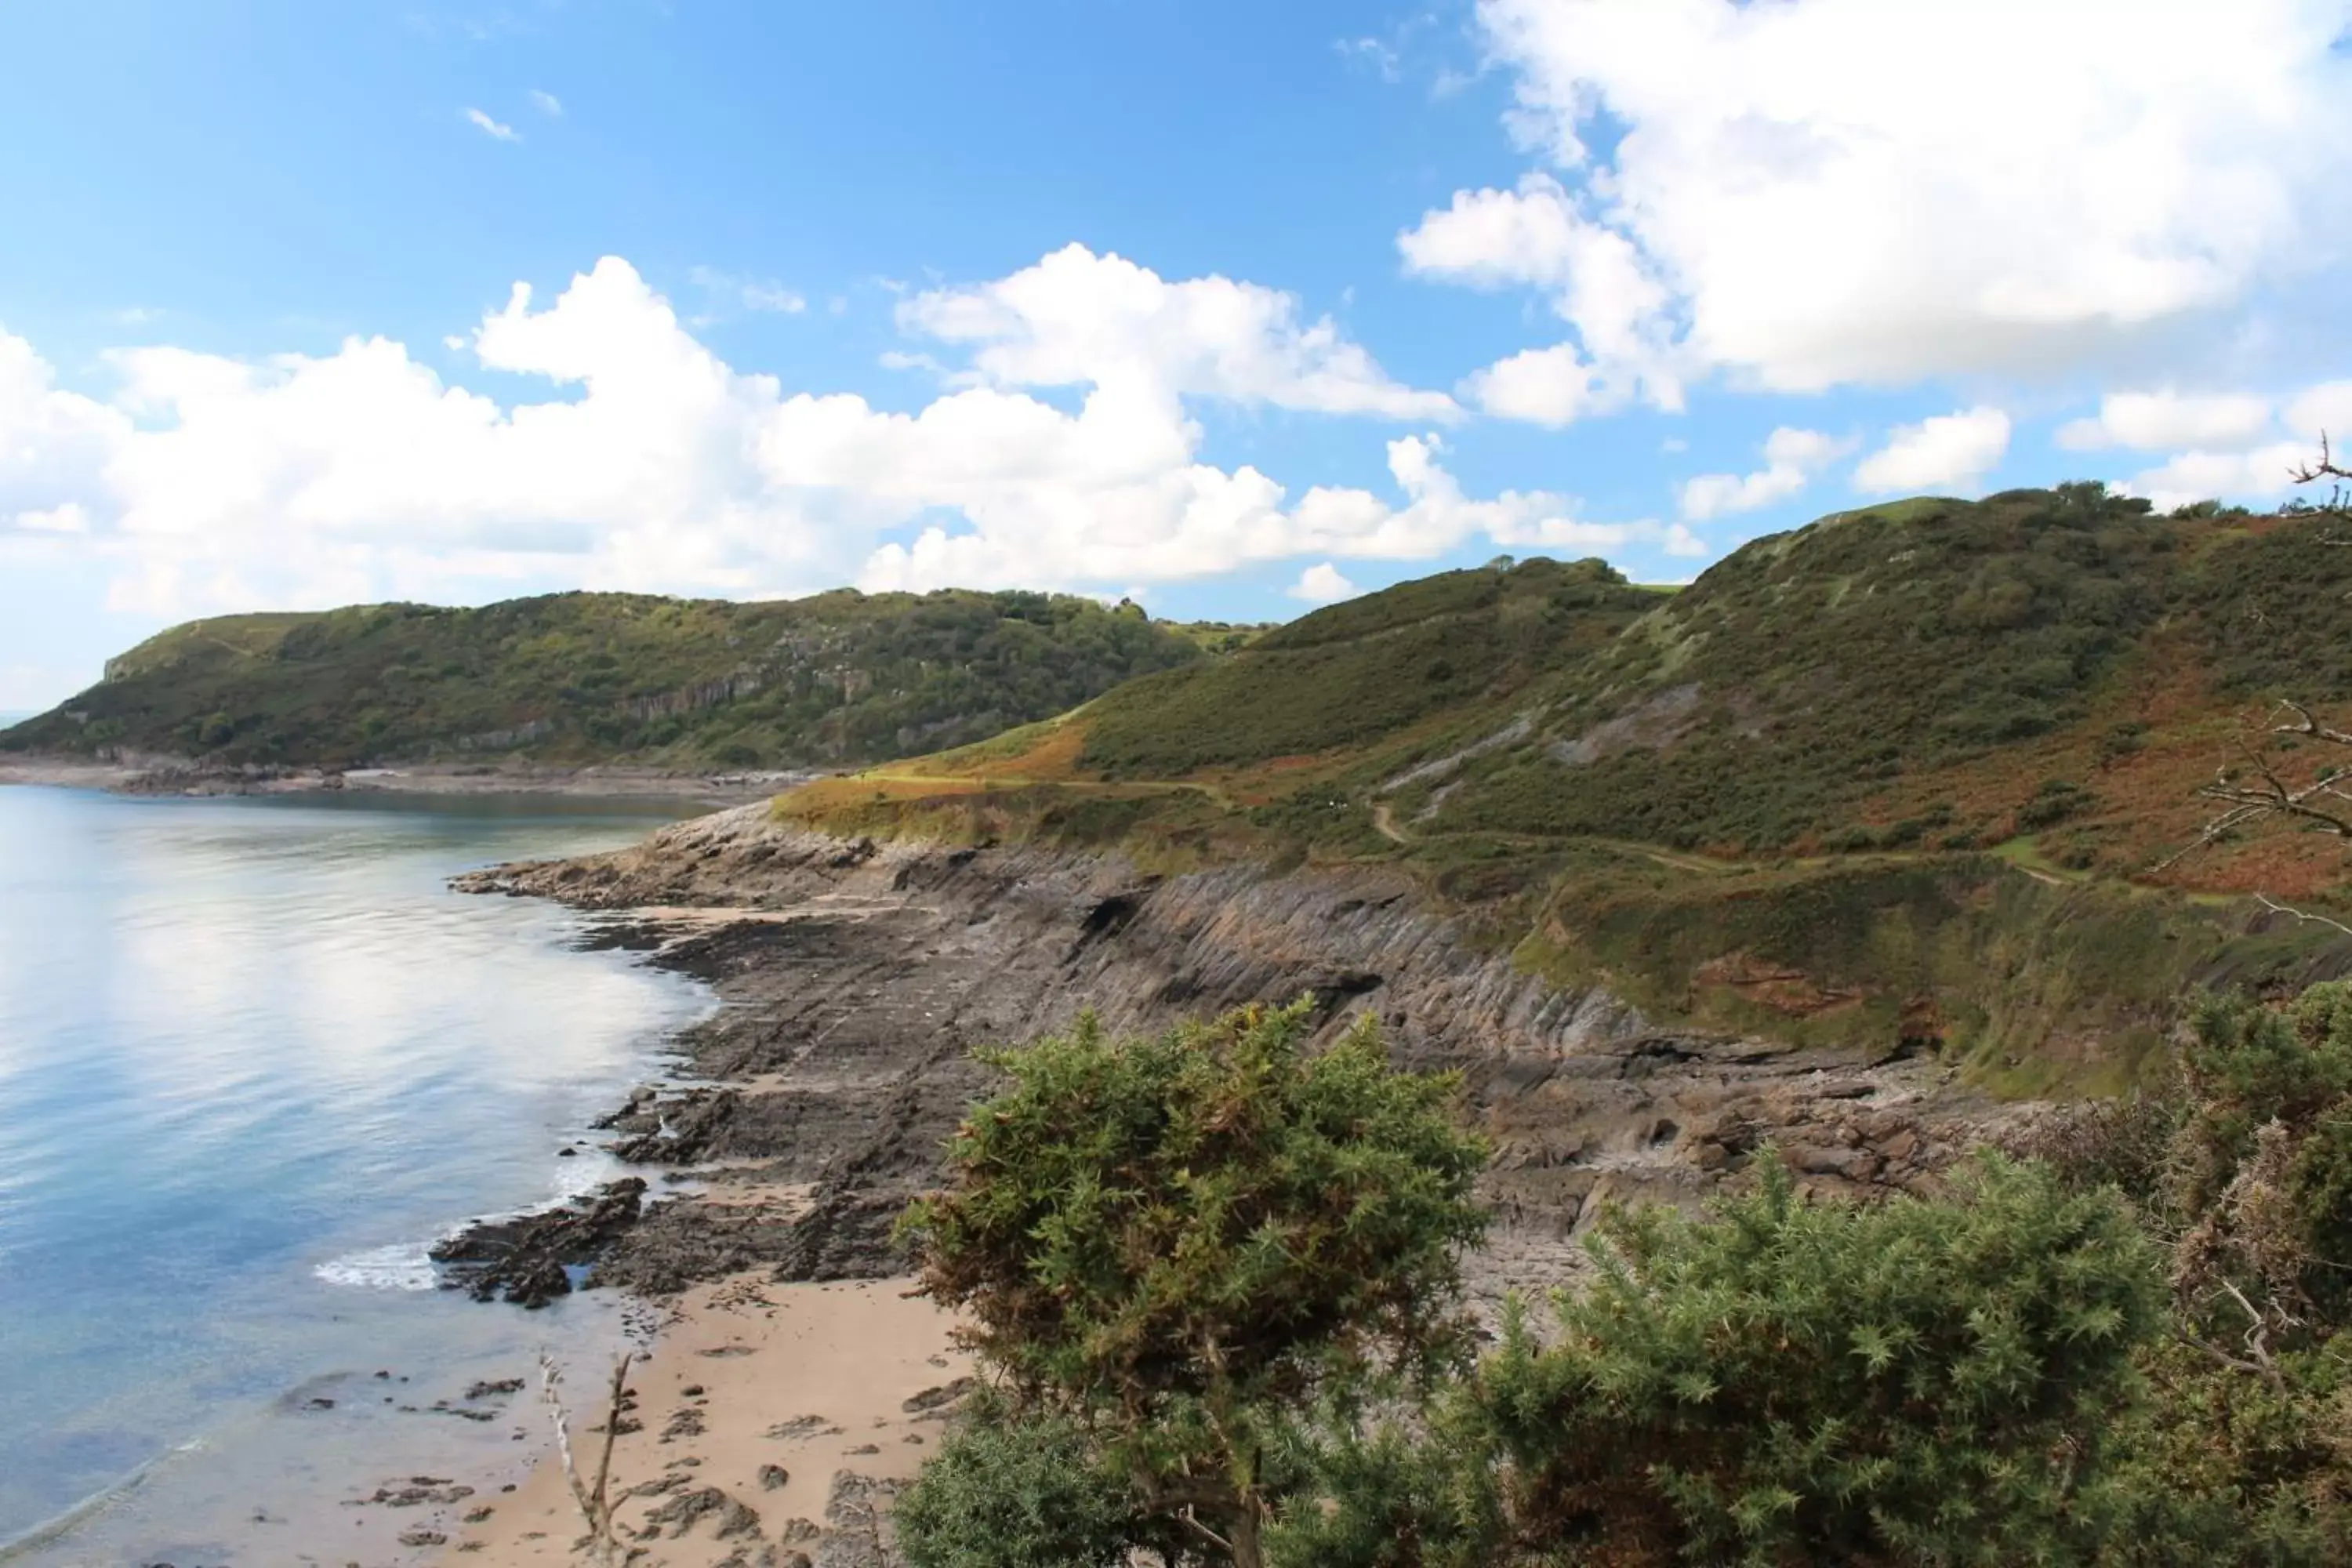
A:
x: 856, y: 976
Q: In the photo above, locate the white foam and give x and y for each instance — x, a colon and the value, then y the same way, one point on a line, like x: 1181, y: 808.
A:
x: 405, y: 1266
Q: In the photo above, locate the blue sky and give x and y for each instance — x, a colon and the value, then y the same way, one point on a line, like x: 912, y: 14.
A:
x: 1236, y: 307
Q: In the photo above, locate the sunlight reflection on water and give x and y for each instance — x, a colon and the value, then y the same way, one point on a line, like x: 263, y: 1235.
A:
x: 254, y: 1056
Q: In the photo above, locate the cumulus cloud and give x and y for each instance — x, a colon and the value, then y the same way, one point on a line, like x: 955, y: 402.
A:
x: 2241, y: 460
x: 1790, y: 195
x: 2323, y: 410
x: 1554, y: 388
x: 2261, y: 473
x: 2152, y: 421
x: 1600, y: 283
x: 1153, y: 515
x: 492, y: 128
x: 1792, y: 458
x: 1079, y: 319
x: 1950, y: 451
x: 1323, y: 583
x: 547, y: 103
x: 215, y: 483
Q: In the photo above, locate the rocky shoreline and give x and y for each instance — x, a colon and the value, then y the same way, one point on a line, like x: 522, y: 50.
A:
x: 163, y: 775
x: 856, y: 977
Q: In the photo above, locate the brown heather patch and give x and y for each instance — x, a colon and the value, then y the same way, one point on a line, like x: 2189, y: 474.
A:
x: 1792, y: 993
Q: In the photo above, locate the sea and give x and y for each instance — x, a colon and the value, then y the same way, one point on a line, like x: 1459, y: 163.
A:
x: 255, y: 1059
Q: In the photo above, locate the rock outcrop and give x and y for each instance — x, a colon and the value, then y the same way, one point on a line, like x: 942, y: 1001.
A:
x: 857, y: 976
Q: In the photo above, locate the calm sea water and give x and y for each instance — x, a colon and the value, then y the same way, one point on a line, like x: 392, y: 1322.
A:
x: 253, y: 1058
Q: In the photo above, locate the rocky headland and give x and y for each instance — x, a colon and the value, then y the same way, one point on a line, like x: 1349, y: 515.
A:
x: 161, y: 774
x: 856, y: 976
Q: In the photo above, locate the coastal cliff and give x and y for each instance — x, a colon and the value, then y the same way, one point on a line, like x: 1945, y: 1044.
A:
x: 858, y: 975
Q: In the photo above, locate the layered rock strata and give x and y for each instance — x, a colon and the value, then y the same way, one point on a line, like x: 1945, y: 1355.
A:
x: 856, y: 977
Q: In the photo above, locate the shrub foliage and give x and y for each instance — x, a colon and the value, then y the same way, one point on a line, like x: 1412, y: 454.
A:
x: 1176, y: 1240
x: 1193, y: 1256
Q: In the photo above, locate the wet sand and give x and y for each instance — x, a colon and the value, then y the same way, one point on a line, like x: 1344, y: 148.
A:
x: 765, y: 1414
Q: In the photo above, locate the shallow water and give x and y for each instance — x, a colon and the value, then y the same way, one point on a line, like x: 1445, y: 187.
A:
x: 254, y: 1056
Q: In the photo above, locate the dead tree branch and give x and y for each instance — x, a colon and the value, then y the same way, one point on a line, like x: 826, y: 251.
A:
x: 593, y: 1498
x: 2304, y: 915
x: 2259, y: 791
x: 2338, y: 503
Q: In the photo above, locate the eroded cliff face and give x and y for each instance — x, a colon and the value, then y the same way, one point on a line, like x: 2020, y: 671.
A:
x: 857, y: 976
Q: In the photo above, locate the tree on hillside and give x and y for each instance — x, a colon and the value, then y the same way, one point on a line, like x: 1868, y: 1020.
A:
x: 2273, y: 783
x: 1171, y: 1243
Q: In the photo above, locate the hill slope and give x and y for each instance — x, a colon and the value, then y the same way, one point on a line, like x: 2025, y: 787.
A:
x: 581, y: 677
x: 1920, y: 770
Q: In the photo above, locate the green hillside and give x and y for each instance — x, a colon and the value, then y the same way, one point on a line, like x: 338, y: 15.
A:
x: 1918, y: 769
x: 1361, y: 672
x: 584, y: 677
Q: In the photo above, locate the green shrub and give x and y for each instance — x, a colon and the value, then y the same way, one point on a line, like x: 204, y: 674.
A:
x: 1182, y: 1239
x: 2240, y: 1162
x: 1918, y: 1382
x: 1008, y: 1491
x: 1780, y: 1384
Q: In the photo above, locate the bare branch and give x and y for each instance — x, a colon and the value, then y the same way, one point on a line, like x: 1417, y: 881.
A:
x: 2305, y: 915
x: 594, y: 1499
x: 2325, y: 801
x: 2310, y: 726
x: 2268, y: 1373
x: 2339, y: 503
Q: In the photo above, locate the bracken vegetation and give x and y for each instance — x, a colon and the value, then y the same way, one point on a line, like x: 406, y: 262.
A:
x: 1918, y: 777
x: 842, y: 677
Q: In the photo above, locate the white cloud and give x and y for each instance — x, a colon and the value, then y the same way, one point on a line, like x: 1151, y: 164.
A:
x: 1792, y: 458
x: 1949, y: 451
x: 1554, y: 386
x: 2151, y: 421
x: 1820, y: 192
x: 1323, y: 585
x: 749, y: 293
x: 2324, y: 410
x: 1077, y: 318
x: 491, y: 128
x: 2264, y: 473
x: 53, y: 443
x: 1155, y: 515
x: 547, y: 103
x: 1380, y: 56
x: 2225, y: 461
x: 212, y: 483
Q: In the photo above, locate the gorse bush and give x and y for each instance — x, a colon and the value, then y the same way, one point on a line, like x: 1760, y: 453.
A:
x: 1006, y: 1490
x: 2241, y: 1164
x: 1179, y: 1239
x: 1778, y: 1383
x: 1784, y: 1383
x: 1217, y: 1271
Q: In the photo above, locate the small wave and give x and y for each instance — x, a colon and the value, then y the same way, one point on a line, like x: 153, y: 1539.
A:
x: 405, y: 1266
x: 51, y: 1530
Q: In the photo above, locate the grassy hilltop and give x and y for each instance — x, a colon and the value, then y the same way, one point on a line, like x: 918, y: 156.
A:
x: 839, y: 677
x: 1911, y: 774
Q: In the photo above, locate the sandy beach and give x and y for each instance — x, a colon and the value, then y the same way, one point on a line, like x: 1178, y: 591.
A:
x: 766, y: 1415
